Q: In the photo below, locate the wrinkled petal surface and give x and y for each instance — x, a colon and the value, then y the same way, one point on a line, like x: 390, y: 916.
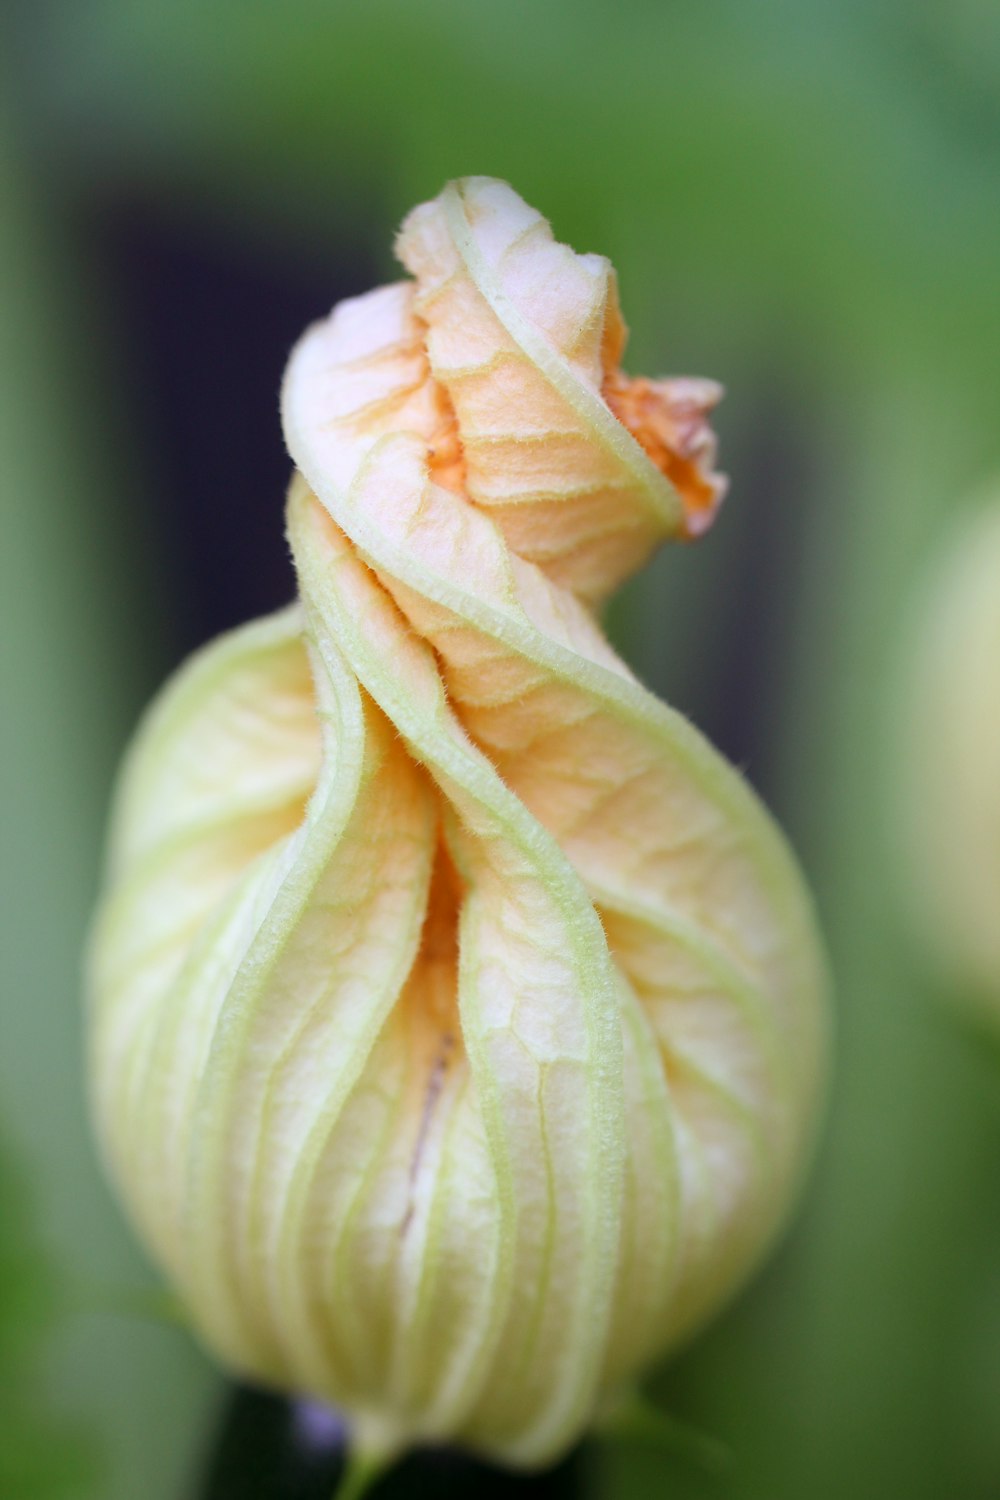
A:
x: 457, y: 1012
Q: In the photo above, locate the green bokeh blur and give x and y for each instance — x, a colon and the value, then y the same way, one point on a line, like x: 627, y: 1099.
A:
x: 802, y: 200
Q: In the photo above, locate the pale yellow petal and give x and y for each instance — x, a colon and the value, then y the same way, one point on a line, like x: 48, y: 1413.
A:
x: 457, y: 1013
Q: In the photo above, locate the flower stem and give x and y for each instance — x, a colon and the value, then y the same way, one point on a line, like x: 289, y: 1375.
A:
x: 361, y: 1470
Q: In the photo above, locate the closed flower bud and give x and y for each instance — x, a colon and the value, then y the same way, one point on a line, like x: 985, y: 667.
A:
x: 457, y: 1012
x: 949, y: 752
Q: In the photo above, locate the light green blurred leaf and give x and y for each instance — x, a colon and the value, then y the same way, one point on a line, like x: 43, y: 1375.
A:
x: 134, y: 1396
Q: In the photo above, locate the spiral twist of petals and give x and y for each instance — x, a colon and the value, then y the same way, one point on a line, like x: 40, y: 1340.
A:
x: 458, y: 1012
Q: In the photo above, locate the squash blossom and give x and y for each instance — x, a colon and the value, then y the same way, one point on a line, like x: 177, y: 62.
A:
x: 456, y: 1012
x: 949, y: 751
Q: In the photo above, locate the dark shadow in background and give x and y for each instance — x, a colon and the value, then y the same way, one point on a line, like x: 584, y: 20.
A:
x: 207, y: 319
x: 746, y: 683
x: 269, y: 1449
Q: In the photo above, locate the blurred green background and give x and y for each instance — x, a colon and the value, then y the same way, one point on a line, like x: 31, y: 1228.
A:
x: 802, y: 200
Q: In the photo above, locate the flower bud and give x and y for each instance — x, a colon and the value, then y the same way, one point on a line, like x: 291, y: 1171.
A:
x: 949, y: 752
x: 457, y: 1012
